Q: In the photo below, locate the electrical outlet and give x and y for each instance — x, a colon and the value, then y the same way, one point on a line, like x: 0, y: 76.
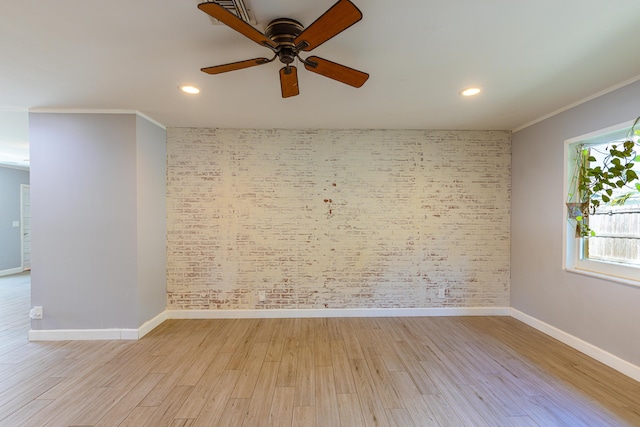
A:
x: 441, y: 293
x: 262, y: 296
x: 36, y: 312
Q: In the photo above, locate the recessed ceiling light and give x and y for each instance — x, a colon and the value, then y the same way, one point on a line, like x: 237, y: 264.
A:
x: 470, y: 91
x: 189, y: 89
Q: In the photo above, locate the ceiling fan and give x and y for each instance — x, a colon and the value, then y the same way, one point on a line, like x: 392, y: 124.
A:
x: 287, y: 38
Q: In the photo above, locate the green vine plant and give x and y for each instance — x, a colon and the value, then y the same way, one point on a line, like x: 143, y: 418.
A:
x: 598, y: 183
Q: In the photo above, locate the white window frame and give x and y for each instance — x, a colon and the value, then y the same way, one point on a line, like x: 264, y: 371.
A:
x: 573, y: 261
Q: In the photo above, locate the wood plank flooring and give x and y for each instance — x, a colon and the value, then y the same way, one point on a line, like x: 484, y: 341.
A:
x: 448, y: 371
x: 15, y: 299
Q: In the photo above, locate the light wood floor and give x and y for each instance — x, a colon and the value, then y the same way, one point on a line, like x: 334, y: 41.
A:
x: 465, y: 371
x: 15, y: 298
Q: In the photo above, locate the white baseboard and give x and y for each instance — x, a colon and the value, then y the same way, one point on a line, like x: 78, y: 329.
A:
x: 81, y: 334
x: 590, y: 350
x: 135, y: 334
x: 150, y: 325
x: 338, y: 312
x: 96, y: 334
x: 11, y: 271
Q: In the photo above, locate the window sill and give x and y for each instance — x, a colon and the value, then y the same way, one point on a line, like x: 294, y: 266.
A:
x: 608, y: 277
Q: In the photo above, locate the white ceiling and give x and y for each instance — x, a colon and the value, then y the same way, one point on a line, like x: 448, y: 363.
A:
x: 530, y: 58
x: 14, y: 138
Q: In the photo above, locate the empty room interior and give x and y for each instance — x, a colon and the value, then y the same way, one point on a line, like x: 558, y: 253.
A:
x: 189, y: 237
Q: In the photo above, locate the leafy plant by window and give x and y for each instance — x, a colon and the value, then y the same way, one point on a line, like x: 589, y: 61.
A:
x: 599, y: 182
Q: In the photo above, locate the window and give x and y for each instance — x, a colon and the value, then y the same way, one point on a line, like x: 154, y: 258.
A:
x: 611, y: 247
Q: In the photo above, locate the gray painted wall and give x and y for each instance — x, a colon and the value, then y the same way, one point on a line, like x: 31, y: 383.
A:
x: 151, y: 167
x: 600, y: 312
x: 10, y: 239
x: 84, y: 173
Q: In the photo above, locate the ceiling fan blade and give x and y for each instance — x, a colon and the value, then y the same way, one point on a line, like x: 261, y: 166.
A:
x: 223, y: 15
x: 336, y: 71
x: 289, y: 81
x: 338, y: 18
x: 235, y: 66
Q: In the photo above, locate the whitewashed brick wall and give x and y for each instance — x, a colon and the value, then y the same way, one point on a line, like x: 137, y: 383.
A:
x: 337, y: 218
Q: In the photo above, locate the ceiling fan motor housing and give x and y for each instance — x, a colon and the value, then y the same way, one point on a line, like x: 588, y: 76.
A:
x: 283, y: 32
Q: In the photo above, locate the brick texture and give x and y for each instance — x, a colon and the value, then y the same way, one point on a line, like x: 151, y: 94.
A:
x: 337, y: 218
